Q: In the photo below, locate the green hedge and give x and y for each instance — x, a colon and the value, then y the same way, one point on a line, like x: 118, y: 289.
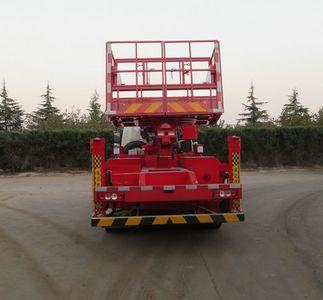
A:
x: 270, y: 147
x: 69, y: 149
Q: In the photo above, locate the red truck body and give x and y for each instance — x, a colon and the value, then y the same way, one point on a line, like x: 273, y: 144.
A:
x: 168, y: 89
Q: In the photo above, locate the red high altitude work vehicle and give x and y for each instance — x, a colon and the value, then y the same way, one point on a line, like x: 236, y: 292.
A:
x: 159, y: 92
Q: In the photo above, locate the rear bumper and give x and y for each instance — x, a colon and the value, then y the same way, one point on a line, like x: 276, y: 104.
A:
x: 170, y: 193
x: 185, y: 219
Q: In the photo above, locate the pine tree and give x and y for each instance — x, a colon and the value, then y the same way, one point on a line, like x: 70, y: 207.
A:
x: 46, y: 109
x: 293, y: 112
x: 253, y: 114
x: 319, y: 117
x: 10, y: 112
x: 47, y: 116
x: 94, y: 109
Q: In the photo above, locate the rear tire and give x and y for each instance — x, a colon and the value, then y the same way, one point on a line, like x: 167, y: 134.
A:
x: 215, y: 226
x: 112, y: 230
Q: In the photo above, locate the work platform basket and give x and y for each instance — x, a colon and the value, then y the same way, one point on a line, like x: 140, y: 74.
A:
x: 179, y: 80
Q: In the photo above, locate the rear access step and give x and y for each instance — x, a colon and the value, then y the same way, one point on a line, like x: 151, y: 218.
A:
x: 131, y: 221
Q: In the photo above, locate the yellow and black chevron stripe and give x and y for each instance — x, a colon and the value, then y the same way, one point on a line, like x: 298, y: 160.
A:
x: 96, y: 169
x: 97, y: 161
x: 236, y: 167
x: 236, y: 204
x: 98, y: 208
x: 121, y: 222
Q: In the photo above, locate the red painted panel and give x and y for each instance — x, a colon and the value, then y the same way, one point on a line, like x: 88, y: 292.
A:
x: 207, y: 169
x: 126, y: 165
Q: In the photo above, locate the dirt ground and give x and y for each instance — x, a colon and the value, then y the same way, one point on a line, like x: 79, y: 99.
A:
x: 49, y: 251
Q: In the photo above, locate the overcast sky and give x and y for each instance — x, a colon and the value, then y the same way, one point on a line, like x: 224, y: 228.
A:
x: 277, y: 44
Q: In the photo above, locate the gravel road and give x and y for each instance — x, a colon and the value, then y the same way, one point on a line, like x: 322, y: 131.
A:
x: 49, y: 251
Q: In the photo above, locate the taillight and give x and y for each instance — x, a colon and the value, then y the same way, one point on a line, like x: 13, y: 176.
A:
x: 224, y: 194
